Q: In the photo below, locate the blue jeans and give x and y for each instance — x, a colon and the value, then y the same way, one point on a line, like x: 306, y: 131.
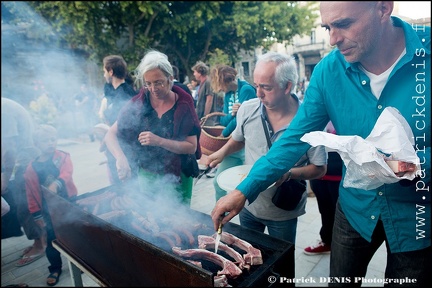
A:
x: 351, y: 254
x: 285, y: 230
x: 52, y: 254
x: 229, y: 161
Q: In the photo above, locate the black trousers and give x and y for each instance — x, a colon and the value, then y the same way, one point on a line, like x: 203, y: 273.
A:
x: 10, y: 226
x: 327, y: 194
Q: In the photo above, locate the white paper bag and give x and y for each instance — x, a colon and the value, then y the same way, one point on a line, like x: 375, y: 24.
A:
x: 390, y: 139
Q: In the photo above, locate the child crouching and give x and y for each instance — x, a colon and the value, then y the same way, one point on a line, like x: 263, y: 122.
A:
x: 52, y: 169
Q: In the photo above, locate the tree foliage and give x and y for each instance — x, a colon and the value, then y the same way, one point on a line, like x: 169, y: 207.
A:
x: 186, y: 31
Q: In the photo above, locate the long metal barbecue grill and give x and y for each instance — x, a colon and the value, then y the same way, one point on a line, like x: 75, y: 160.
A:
x: 119, y: 257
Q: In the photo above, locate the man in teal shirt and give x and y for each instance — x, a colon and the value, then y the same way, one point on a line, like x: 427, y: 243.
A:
x: 380, y: 61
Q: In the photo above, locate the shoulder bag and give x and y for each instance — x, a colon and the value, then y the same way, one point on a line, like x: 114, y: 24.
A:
x: 290, y: 192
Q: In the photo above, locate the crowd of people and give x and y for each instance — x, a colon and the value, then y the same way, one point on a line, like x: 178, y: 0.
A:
x: 150, y: 133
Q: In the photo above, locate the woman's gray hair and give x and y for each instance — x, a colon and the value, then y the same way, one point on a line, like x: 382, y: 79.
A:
x: 286, y: 69
x: 153, y: 60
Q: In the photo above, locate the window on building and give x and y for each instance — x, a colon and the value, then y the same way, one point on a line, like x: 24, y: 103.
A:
x: 313, y: 37
x: 245, y: 66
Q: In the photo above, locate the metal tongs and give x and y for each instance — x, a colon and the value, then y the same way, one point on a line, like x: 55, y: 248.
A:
x: 201, y: 174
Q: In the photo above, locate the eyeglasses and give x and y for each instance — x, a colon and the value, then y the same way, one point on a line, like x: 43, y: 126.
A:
x: 265, y: 87
x: 158, y: 84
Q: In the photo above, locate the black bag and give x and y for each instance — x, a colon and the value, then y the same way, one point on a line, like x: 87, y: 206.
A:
x: 10, y: 225
x: 289, y: 194
x: 334, y: 164
x: 189, y: 165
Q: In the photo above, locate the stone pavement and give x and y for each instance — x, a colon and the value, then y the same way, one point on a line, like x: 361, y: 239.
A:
x: 90, y: 175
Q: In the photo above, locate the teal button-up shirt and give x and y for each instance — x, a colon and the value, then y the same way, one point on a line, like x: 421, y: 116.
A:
x: 341, y: 92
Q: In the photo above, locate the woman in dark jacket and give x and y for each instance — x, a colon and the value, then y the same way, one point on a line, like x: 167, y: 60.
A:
x: 155, y: 131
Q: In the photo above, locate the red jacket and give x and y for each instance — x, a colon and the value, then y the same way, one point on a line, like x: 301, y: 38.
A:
x: 63, y: 163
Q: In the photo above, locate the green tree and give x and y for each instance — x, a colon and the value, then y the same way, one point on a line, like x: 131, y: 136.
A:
x: 44, y: 110
x: 186, y: 31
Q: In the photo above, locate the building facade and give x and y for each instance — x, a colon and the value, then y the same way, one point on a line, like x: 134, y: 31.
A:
x: 307, y: 50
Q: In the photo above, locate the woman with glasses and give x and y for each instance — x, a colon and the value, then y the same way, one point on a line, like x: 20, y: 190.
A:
x: 156, y: 131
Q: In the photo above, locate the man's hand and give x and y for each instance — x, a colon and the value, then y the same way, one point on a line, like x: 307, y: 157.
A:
x: 400, y: 167
x: 235, y: 108
x: 232, y: 203
x: 214, y: 159
x: 284, y: 177
x: 123, y: 168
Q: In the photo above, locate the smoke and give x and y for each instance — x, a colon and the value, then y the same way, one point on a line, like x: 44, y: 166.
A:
x: 154, y: 206
x: 39, y: 71
x: 36, y: 62
x: 158, y: 197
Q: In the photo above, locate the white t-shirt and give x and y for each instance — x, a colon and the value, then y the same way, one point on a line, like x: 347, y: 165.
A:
x: 377, y: 82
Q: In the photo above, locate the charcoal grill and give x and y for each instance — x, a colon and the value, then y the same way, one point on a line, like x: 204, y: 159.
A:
x: 117, y: 257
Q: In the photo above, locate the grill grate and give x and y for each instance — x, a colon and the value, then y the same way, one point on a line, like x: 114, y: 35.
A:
x: 140, y: 260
